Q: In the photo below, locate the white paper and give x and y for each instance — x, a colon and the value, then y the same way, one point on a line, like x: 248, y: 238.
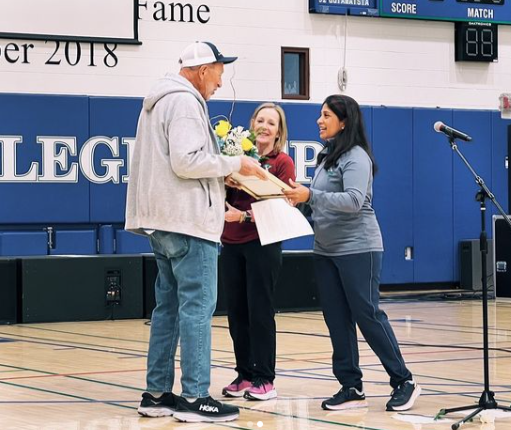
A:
x: 276, y: 220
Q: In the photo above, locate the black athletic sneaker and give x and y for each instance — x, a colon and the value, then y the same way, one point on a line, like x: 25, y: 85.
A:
x: 204, y: 410
x: 346, y: 398
x: 163, y: 406
x: 404, y: 396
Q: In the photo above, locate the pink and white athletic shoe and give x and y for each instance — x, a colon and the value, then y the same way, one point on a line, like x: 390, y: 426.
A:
x: 261, y: 390
x: 237, y: 387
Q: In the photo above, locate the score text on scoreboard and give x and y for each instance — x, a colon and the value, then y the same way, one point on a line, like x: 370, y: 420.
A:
x: 492, y: 11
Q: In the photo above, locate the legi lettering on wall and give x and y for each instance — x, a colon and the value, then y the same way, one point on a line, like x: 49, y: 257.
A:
x: 60, y: 160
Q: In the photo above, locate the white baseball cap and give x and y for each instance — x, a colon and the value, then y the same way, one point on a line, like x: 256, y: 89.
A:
x: 199, y: 53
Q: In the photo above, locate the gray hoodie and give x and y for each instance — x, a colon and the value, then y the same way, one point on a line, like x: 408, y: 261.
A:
x: 176, y: 171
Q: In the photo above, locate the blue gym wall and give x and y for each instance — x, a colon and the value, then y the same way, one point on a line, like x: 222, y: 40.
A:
x: 423, y: 194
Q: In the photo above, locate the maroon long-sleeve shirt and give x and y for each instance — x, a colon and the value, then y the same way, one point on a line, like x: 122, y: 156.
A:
x: 281, y: 166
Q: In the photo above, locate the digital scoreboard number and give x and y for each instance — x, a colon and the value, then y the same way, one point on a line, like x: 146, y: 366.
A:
x: 476, y: 41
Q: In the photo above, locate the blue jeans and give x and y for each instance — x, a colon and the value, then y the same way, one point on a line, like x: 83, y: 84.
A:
x: 186, y: 293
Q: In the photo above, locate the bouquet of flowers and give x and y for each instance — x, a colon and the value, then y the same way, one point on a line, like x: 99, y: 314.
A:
x: 235, y: 140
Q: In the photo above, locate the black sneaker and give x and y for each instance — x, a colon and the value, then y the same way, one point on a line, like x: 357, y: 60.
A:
x: 346, y: 398
x: 163, y: 406
x: 204, y: 410
x: 404, y: 396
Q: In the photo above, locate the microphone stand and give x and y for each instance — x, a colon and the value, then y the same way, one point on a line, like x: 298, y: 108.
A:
x: 487, y: 400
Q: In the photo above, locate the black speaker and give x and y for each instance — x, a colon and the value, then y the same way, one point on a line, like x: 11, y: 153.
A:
x: 296, y: 288
x: 81, y: 288
x: 502, y: 249
x: 9, y: 290
x: 470, y: 265
x: 150, y: 274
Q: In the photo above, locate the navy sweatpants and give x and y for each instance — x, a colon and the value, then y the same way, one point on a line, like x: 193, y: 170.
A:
x: 349, y: 294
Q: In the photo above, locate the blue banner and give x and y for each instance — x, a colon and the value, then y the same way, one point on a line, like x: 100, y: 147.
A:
x: 492, y: 11
x: 497, y: 12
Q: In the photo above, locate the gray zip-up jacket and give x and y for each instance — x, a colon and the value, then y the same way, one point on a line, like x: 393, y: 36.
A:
x: 176, y: 181
x: 341, y: 197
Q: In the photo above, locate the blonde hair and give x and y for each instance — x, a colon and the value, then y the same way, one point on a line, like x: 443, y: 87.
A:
x: 282, y: 133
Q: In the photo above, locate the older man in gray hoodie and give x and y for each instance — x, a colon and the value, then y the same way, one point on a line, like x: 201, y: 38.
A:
x: 176, y: 196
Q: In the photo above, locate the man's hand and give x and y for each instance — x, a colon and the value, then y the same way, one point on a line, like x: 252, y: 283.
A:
x: 297, y: 194
x: 230, y: 182
x: 251, y: 167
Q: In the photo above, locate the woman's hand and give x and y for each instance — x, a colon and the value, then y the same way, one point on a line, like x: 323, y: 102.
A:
x: 297, y: 194
x: 232, y: 214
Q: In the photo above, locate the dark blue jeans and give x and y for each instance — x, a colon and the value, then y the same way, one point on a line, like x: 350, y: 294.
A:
x: 349, y: 294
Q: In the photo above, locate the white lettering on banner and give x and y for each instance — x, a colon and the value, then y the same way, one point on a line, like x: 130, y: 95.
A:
x: 8, y: 162
x: 130, y: 143
x: 112, y: 166
x: 55, y: 166
x: 52, y: 158
x: 473, y: 12
x: 302, y: 162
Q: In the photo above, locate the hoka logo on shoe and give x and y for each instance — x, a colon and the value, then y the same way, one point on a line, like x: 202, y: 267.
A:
x: 208, y: 408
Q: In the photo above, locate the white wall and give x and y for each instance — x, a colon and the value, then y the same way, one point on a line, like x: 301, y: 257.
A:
x: 389, y: 61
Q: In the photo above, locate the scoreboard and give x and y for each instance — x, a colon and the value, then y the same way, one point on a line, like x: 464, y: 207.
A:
x: 491, y: 11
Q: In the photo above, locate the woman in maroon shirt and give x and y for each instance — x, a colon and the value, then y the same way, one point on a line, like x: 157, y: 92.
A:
x: 250, y: 271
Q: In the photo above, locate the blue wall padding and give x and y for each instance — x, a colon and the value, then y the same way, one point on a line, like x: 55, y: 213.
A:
x: 23, y: 243
x: 106, y: 239
x: 499, y: 154
x: 305, y: 243
x: 129, y: 243
x: 432, y: 198
x: 393, y: 189
x: 75, y: 242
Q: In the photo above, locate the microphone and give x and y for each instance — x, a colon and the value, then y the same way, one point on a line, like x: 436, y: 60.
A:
x: 440, y: 127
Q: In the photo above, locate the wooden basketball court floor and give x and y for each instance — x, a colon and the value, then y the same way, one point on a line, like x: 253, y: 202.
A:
x: 89, y: 375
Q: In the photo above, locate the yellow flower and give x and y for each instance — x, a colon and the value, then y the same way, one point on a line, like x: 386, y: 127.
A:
x: 247, y: 144
x: 222, y: 128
